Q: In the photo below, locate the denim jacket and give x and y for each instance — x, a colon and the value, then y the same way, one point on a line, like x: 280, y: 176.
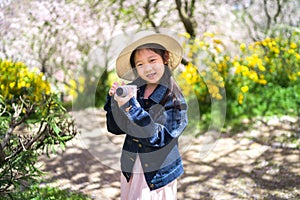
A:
x: 152, y: 127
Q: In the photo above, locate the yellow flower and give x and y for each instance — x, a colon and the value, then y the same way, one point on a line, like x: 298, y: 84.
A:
x: 243, y: 46
x: 7, y: 62
x: 21, y: 84
x: 245, y: 71
x: 261, y: 68
x: 219, y: 97
x: 221, y: 84
x: 240, y: 98
x: 215, y: 74
x: 262, y: 81
x: 276, y: 50
x: 12, y: 85
x: 217, y: 41
x: 264, y: 43
x: 268, y: 39
x: 197, y: 40
x: 81, y: 81
x: 291, y: 51
x: 194, y: 79
x: 266, y: 59
x: 219, y: 78
x: 208, y: 34
x: 189, y: 75
x: 236, y: 64
x: 212, y: 89
x: 73, y: 84
x: 218, y: 49
x: 292, y: 77
x: 253, y: 75
x: 186, y: 35
x: 201, y: 44
x: 238, y: 70
x: 245, y: 88
x: 293, y: 45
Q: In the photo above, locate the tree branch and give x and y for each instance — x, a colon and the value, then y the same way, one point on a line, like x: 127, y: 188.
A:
x: 14, y: 122
x: 29, y: 144
x: 147, y: 9
x: 254, y: 36
x: 267, y: 14
x: 278, y: 11
x: 4, y: 110
x: 188, y: 22
x: 192, y: 8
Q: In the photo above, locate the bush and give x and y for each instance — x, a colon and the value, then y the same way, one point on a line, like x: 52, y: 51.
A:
x: 32, y: 121
x: 262, y: 79
x: 41, y: 193
x: 266, y: 78
x: 16, y: 81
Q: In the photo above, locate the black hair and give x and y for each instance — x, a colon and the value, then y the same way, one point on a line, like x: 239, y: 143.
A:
x: 162, y: 52
x: 157, y: 48
x: 174, y: 91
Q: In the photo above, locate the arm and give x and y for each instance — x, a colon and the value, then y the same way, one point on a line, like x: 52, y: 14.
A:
x: 113, y: 112
x: 142, y: 126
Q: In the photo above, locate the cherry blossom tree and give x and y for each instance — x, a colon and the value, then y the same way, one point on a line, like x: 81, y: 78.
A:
x: 57, y: 37
x: 64, y: 39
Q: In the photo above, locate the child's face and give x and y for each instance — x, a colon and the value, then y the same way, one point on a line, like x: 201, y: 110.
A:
x: 149, y: 65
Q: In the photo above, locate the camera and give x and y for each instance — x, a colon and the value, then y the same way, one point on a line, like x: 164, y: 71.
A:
x: 122, y: 91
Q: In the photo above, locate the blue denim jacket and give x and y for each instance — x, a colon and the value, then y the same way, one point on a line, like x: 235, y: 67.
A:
x: 152, y: 127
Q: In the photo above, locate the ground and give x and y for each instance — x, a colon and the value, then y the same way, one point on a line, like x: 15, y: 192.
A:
x: 231, y: 167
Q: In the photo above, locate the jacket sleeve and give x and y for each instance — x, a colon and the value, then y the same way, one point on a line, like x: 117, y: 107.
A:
x: 116, y: 120
x: 151, y: 133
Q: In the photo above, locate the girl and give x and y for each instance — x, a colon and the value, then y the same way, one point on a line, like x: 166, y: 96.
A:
x: 152, y: 118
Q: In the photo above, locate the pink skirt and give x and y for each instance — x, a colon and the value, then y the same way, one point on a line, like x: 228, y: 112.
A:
x: 137, y: 188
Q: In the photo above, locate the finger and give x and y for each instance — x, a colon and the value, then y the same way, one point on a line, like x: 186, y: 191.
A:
x: 115, y: 85
x: 111, y: 92
x: 113, y: 88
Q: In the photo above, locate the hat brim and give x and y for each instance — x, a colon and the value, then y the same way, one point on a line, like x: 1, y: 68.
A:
x: 123, y: 67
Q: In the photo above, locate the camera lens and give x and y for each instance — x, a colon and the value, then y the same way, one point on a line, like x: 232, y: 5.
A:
x: 121, y: 91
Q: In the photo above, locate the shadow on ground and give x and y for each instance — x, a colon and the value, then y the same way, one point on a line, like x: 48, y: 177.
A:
x: 247, y: 171
x: 236, y: 168
x: 78, y: 170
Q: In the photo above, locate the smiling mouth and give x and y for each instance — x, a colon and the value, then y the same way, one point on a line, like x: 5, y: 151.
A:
x: 151, y: 75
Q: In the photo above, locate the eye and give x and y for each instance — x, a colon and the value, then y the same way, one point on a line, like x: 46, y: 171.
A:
x: 139, y: 65
x: 152, y: 60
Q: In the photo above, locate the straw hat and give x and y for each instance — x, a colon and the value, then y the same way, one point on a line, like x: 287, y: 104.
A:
x: 123, y: 67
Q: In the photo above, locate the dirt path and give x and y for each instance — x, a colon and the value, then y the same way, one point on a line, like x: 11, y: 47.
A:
x: 236, y: 168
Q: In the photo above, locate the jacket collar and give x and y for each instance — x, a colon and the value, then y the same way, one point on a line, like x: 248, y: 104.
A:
x: 157, y: 95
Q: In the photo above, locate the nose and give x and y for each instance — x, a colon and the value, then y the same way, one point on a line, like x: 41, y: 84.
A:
x: 148, y: 67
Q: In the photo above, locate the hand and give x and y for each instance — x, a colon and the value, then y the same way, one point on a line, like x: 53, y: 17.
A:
x: 124, y: 99
x: 120, y: 100
x: 112, y: 90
